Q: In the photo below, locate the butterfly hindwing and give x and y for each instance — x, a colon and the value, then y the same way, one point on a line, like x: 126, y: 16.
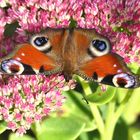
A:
x: 108, y: 69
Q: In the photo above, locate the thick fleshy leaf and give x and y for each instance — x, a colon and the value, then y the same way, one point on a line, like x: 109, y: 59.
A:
x: 101, y: 97
x: 136, y: 136
x: 62, y: 128
x: 92, y: 135
x: 13, y: 136
x: 134, y: 68
x: 132, y: 110
x: 121, y: 131
x: 75, y: 119
x: 77, y: 107
x: 2, y: 127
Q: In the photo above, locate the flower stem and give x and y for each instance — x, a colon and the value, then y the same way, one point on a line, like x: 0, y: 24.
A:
x: 109, y: 122
x: 94, y: 109
x: 98, y: 118
x: 113, y: 116
x: 122, y: 105
x: 36, y: 128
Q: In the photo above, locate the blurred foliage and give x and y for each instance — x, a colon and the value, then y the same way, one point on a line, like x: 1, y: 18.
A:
x: 10, y: 29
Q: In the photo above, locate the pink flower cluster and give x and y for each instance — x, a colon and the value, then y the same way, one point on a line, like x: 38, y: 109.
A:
x: 118, y: 20
x: 27, y: 99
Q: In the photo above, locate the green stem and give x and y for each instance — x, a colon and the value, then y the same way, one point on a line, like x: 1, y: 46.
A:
x: 109, y: 122
x: 113, y: 116
x: 36, y: 128
x: 122, y: 105
x: 98, y: 118
x: 94, y: 109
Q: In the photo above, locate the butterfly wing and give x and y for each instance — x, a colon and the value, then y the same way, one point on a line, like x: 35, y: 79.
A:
x: 109, y: 70
x: 97, y: 63
x: 41, y: 55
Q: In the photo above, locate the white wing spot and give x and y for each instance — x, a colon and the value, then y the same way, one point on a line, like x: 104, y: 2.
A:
x: 23, y: 54
x: 18, y: 59
x: 119, y: 71
x: 114, y: 65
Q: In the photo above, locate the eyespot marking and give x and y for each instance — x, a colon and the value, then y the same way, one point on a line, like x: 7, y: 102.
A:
x: 99, y: 47
x: 11, y: 66
x: 124, y: 80
x: 41, y: 42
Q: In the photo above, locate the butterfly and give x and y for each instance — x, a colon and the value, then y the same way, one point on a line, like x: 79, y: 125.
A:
x: 83, y: 52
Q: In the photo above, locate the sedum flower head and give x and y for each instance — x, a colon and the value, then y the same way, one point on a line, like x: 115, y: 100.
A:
x: 25, y: 100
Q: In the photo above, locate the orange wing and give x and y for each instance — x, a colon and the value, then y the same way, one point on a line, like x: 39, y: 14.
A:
x: 27, y: 60
x: 109, y: 69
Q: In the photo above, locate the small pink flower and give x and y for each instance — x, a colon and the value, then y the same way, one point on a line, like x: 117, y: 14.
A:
x: 29, y: 106
x: 48, y: 100
x: 21, y: 130
x: 29, y: 120
x: 18, y: 116
x: 12, y: 125
x: 46, y: 110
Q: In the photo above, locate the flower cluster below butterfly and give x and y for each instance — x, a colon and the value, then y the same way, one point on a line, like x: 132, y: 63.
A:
x: 70, y: 51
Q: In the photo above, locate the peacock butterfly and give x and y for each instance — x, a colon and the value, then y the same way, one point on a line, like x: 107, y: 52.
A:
x: 70, y: 51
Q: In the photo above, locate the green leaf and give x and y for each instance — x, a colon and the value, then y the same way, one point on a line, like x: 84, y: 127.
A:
x: 136, y: 136
x: 10, y: 29
x: 92, y: 135
x: 133, y: 107
x: 62, y: 128
x: 77, y: 107
x: 3, y: 127
x: 121, y: 131
x: 100, y: 97
x: 73, y: 23
x: 76, y: 118
x: 134, y: 67
x: 121, y: 29
x: 15, y: 137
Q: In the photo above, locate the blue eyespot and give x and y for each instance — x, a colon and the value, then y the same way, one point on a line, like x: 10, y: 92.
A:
x: 40, y: 41
x: 99, y: 45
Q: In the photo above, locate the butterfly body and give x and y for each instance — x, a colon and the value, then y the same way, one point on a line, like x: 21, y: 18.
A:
x: 70, y: 51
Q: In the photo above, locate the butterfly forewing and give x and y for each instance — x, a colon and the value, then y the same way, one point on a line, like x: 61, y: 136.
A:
x: 41, y: 55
